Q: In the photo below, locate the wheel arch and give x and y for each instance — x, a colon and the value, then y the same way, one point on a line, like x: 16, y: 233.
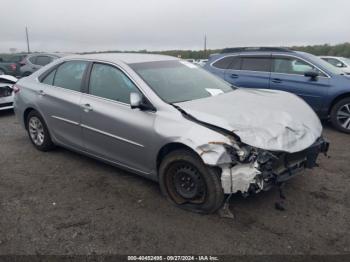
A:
x: 337, y: 99
x: 26, y: 113
x: 170, y: 147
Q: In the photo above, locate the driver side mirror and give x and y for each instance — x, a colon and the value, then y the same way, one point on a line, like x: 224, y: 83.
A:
x: 312, y: 74
x: 137, y: 101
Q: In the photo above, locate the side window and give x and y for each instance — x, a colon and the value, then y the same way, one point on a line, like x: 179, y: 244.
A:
x: 291, y: 65
x: 109, y: 82
x: 33, y: 59
x: 43, y: 60
x: 261, y: 64
x: 335, y: 62
x: 232, y: 62
x: 70, y: 74
x: 49, y: 78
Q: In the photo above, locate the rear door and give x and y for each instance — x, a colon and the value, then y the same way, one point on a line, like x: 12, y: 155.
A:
x: 59, y: 99
x: 288, y: 75
x: 252, y: 71
x: 111, y: 129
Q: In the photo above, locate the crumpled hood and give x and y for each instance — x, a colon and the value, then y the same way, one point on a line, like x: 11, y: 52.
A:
x: 267, y: 119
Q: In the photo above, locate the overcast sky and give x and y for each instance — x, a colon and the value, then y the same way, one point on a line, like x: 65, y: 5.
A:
x: 88, y: 25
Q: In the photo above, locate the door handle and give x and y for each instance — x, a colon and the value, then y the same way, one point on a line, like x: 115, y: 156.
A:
x: 87, y: 107
x: 41, y: 93
x: 234, y: 76
x: 276, y: 80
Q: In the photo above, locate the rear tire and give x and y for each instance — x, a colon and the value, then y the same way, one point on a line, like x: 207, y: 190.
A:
x: 189, y: 184
x: 38, y: 132
x: 340, y: 115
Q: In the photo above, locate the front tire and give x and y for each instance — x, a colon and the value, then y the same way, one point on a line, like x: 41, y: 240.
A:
x: 189, y: 184
x: 340, y: 115
x: 38, y: 132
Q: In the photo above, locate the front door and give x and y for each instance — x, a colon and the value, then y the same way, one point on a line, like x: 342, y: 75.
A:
x: 288, y: 75
x: 111, y: 129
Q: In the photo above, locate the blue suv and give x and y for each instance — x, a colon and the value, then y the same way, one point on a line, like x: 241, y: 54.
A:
x: 324, y: 87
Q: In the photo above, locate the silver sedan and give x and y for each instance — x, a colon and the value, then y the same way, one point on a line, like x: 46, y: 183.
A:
x: 170, y: 121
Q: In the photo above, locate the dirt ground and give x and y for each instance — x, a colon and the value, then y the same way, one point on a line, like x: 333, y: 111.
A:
x: 64, y: 203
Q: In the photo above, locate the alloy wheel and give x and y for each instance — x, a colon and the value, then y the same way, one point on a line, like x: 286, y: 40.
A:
x: 343, y: 116
x: 36, y: 131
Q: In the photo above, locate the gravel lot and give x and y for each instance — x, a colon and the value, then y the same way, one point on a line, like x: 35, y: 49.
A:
x: 64, y: 203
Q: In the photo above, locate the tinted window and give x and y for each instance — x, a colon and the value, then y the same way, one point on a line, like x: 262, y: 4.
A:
x: 70, y: 74
x: 109, y: 82
x: 291, y: 65
x: 49, y: 78
x: 33, y: 60
x: 43, y: 60
x: 256, y: 64
x: 334, y: 62
x: 224, y: 63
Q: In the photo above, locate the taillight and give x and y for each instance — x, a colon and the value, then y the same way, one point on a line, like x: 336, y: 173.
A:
x: 15, y: 89
x: 13, y: 67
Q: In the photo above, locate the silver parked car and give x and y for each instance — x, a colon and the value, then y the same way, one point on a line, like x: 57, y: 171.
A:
x: 33, y: 62
x: 170, y: 121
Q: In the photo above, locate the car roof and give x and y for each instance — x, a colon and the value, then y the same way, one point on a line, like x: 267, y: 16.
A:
x: 50, y: 54
x: 327, y: 56
x: 260, y: 53
x: 127, y: 58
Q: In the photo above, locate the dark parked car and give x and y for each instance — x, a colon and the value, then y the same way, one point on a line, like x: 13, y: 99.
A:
x: 324, y: 87
x: 9, y: 66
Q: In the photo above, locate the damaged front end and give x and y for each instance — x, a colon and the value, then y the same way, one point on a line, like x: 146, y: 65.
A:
x: 6, y: 91
x: 253, y: 169
x: 288, y: 149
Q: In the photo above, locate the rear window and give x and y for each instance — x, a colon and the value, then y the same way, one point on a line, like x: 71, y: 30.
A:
x: 43, y: 60
x: 260, y: 64
x: 49, y: 78
x: 33, y: 60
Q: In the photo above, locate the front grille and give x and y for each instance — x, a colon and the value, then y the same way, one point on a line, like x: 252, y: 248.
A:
x: 288, y: 160
x: 6, y: 105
